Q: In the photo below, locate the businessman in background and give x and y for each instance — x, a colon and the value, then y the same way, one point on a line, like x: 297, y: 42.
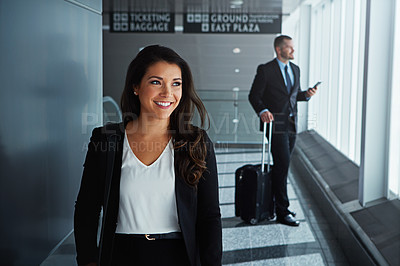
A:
x: 274, y: 95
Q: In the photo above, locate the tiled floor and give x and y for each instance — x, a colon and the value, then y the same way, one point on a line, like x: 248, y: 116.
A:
x: 267, y: 243
x: 270, y: 243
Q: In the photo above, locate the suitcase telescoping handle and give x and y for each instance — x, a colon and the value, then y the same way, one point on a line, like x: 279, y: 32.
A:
x: 269, y: 146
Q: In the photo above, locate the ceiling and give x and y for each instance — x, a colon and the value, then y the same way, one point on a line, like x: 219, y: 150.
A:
x: 283, y: 7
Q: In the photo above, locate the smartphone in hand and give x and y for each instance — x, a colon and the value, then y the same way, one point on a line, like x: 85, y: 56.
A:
x: 316, y: 84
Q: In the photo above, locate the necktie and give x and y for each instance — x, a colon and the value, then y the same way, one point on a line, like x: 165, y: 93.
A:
x: 288, y: 81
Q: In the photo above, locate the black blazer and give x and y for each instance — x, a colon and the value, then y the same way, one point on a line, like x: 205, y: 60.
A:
x: 269, y: 91
x: 198, y: 209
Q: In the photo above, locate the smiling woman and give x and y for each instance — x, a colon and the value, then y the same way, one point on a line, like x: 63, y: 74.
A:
x: 159, y: 91
x: 162, y: 183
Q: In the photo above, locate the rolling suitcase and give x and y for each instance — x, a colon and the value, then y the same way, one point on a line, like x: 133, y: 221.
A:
x: 253, y: 198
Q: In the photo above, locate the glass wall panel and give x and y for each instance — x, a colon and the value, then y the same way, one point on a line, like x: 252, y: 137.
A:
x: 232, y: 118
x: 336, y: 53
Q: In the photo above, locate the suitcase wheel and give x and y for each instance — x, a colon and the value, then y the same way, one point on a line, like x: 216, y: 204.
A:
x: 253, y: 221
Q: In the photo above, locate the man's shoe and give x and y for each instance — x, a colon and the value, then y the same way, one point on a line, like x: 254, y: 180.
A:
x: 288, y: 220
x: 292, y: 213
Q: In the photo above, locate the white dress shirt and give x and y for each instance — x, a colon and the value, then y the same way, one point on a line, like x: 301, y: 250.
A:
x: 147, y: 194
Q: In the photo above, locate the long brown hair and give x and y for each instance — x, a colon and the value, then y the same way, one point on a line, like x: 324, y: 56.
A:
x: 189, y: 141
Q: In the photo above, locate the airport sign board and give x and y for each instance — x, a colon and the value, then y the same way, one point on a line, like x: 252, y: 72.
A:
x: 236, y: 23
x: 142, y: 22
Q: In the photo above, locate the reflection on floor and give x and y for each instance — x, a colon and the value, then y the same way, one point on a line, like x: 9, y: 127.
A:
x: 267, y: 243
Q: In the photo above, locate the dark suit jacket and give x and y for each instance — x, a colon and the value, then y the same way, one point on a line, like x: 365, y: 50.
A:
x: 198, y: 209
x: 269, y: 91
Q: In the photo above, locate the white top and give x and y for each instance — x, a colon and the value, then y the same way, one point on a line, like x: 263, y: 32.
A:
x: 147, y: 194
